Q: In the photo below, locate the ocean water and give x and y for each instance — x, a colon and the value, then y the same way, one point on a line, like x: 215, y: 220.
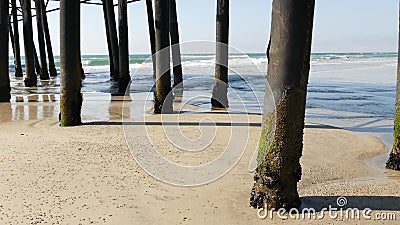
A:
x: 355, y: 91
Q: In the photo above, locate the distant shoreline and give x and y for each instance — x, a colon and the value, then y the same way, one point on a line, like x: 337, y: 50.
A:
x: 248, y: 53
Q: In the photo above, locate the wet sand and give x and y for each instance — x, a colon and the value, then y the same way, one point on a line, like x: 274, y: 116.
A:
x: 86, y: 174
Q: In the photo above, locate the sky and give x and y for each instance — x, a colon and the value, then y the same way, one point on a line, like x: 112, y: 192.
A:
x: 339, y: 25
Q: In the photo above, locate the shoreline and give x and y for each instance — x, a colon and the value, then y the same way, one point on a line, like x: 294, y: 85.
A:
x: 116, y: 106
x: 116, y: 109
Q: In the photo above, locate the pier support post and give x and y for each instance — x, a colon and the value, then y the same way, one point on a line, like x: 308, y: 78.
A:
x: 10, y: 30
x: 110, y: 54
x: 70, y: 66
x: 162, y: 97
x: 152, y: 34
x: 49, y: 47
x: 219, y: 98
x: 4, y: 45
x: 281, y: 142
x: 394, y: 158
x: 175, y: 47
x: 37, y: 63
x: 30, y: 75
x: 17, y: 48
x: 113, y: 36
x: 109, y: 16
x: 44, y: 73
x: 124, y: 77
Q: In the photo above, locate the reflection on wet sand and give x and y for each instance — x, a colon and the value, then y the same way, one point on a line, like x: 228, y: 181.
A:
x: 96, y: 107
x: 178, y: 95
x: 29, y: 107
x: 119, y: 108
x: 104, y: 107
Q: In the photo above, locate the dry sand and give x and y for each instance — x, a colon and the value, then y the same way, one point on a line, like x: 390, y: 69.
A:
x: 86, y: 174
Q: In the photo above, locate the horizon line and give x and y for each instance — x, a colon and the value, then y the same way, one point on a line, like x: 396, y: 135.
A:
x: 318, y: 52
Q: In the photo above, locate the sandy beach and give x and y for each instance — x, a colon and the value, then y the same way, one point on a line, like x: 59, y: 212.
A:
x: 87, y: 174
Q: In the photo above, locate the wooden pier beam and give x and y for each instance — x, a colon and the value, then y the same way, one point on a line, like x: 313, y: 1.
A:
x: 281, y: 142
x: 219, y: 98
x: 175, y: 47
x: 124, y: 77
x: 70, y: 66
x: 162, y: 97
x: 49, y: 47
x: 109, y: 16
x: 30, y: 75
x: 152, y: 33
x: 17, y: 48
x: 44, y: 73
x: 4, y: 46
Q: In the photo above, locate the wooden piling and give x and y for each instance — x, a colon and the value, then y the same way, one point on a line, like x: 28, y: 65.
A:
x: 37, y: 63
x: 162, y: 97
x: 113, y: 36
x: 10, y: 30
x: 219, y: 96
x: 49, y: 47
x: 124, y: 77
x: 281, y: 142
x: 108, y: 6
x: 30, y: 75
x: 175, y: 47
x: 394, y: 158
x: 70, y: 66
x: 4, y: 45
x: 17, y: 48
x: 152, y: 34
x: 44, y: 73
x: 110, y: 54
